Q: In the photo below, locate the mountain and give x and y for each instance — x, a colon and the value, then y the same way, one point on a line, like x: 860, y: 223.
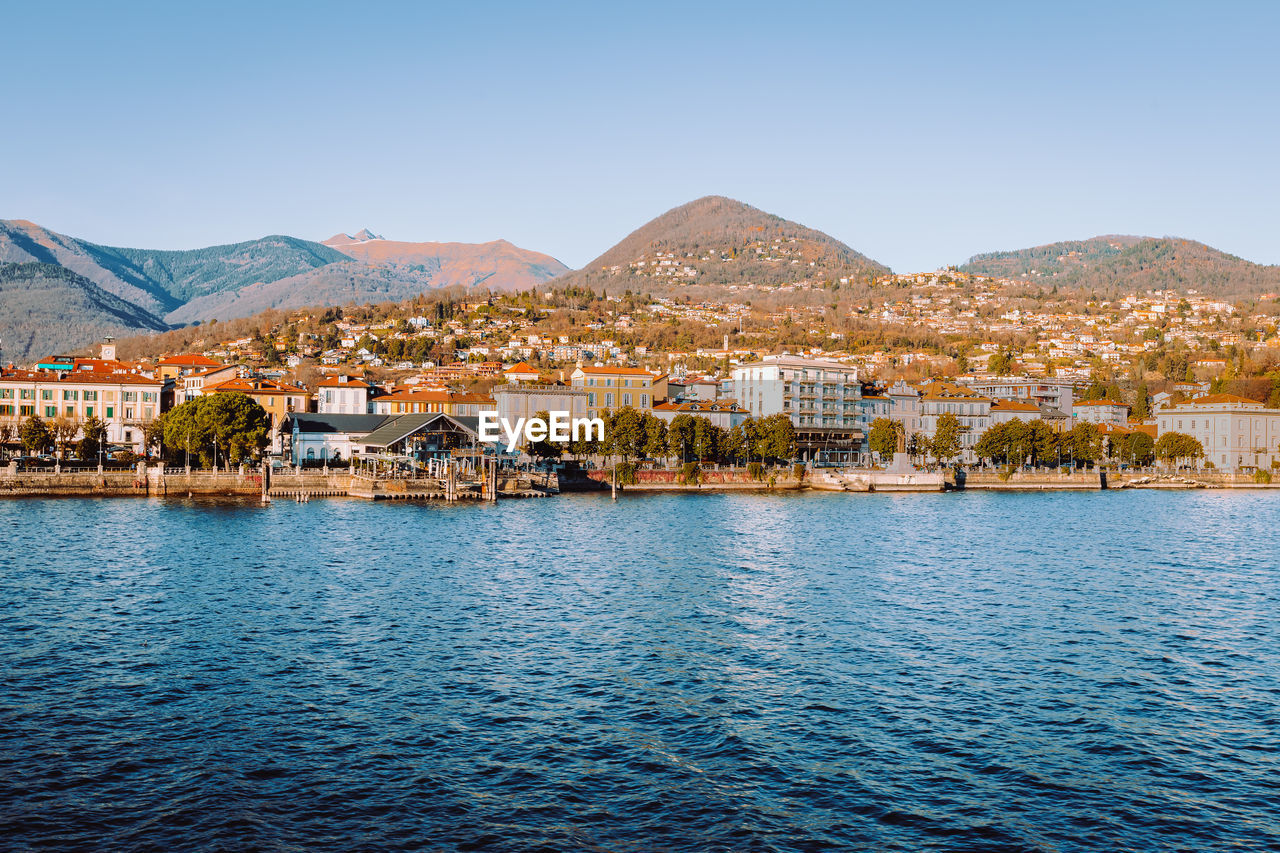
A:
x: 149, y: 288
x: 716, y: 241
x: 498, y: 265
x: 48, y: 309
x: 161, y: 281
x: 1118, y: 263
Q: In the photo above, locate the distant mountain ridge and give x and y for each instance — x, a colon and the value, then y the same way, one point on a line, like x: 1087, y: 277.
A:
x: 162, y: 287
x: 1125, y: 263
x: 717, y: 241
x: 84, y: 312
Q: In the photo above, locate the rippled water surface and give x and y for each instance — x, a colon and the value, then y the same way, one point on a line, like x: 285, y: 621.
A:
x: 687, y: 672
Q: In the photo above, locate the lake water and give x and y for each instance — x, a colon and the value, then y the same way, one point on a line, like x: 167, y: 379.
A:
x: 1092, y: 671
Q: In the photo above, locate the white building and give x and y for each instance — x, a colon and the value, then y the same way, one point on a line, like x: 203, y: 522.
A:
x: 125, y: 401
x: 1236, y: 433
x: 343, y: 395
x: 811, y: 392
x: 725, y: 414
x: 1102, y: 412
x: 1057, y: 393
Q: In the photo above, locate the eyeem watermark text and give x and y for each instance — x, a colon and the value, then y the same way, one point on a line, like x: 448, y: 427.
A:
x: 559, y: 427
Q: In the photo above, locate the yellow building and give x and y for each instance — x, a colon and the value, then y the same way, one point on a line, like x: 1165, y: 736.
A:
x: 610, y: 388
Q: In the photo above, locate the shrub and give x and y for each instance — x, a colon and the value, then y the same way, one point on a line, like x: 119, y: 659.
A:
x: 1262, y: 477
x: 690, y: 473
x: 626, y: 472
x: 797, y: 471
x: 756, y: 471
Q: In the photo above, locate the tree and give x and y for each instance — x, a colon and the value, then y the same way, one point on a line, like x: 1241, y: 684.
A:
x: 680, y: 436
x: 883, y: 436
x: 707, y: 438
x: 655, y: 436
x: 1141, y: 408
x: 34, y: 434
x: 946, y: 438
x: 917, y: 445
x: 627, y: 437
x: 1084, y: 443
x: 63, y: 432
x: 1000, y: 363
x: 8, y: 433
x: 993, y: 444
x: 544, y: 449
x: 1177, y: 446
x: 777, y: 439
x: 232, y: 425
x: 94, y: 436
x: 1142, y: 449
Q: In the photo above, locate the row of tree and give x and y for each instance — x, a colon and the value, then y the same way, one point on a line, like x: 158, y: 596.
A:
x: 631, y: 434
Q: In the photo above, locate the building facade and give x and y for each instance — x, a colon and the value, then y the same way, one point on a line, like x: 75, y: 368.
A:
x: 610, y: 388
x: 1237, y: 434
x: 811, y: 392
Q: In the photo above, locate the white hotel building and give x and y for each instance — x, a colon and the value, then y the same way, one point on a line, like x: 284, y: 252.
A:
x: 1235, y: 432
x: 811, y: 392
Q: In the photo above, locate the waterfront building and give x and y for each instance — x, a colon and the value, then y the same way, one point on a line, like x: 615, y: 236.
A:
x: 1237, y: 434
x: 344, y: 395
x: 513, y: 402
x: 1003, y: 411
x: 725, y: 414
x: 326, y: 436
x: 1102, y: 412
x: 610, y: 388
x: 811, y: 392
x: 123, y: 400
x: 412, y: 399
x: 277, y: 398
x: 1057, y: 393
x: 971, y: 409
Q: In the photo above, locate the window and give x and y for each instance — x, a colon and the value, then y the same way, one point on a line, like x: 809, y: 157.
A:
x: 591, y: 400
x: 27, y: 394
x: 148, y: 396
x: 644, y: 400
x: 6, y: 393
x: 46, y: 394
x: 129, y: 396
x: 111, y: 411
x: 608, y: 400
x: 88, y: 411
x: 27, y: 410
x: 6, y: 411
x: 50, y: 411
x: 69, y: 411
x: 128, y: 413
x: 91, y: 395
x: 626, y: 399
x: 68, y: 394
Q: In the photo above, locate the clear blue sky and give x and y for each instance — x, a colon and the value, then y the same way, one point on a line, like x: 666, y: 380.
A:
x: 917, y: 133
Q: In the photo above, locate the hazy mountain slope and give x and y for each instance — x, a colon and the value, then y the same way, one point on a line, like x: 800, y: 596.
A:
x: 718, y: 241
x: 335, y: 284
x: 1120, y: 263
x: 498, y: 264
x: 49, y: 309
x: 160, y: 281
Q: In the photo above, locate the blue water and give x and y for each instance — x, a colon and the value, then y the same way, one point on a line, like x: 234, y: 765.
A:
x: 686, y: 672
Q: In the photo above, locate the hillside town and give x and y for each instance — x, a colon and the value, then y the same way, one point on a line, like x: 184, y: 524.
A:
x: 946, y: 368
